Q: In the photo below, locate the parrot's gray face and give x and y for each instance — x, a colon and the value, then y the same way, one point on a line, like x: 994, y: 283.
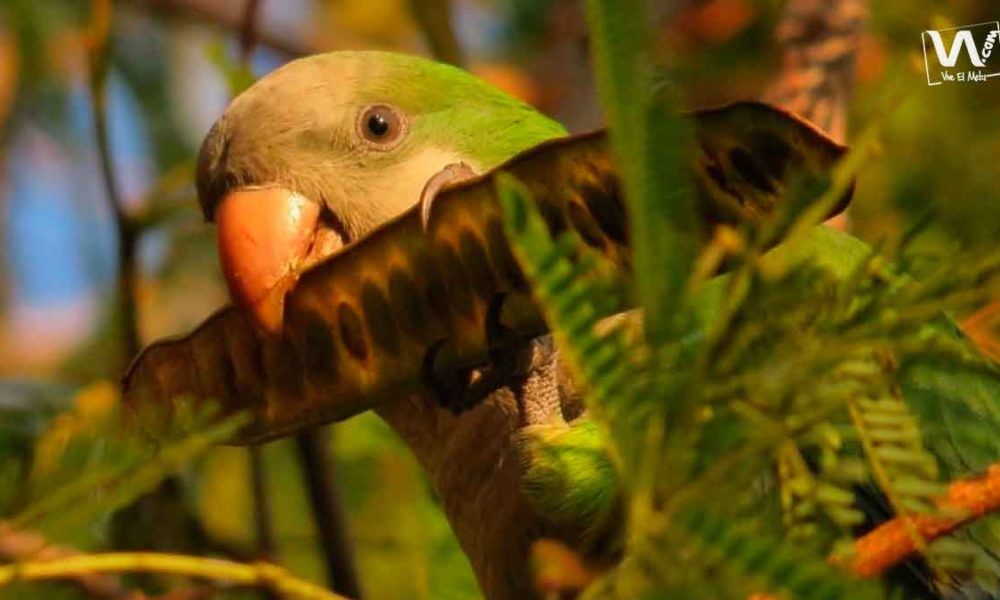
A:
x: 304, y: 162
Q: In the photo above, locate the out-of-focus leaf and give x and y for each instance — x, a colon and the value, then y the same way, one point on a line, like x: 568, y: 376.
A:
x: 92, y: 408
x: 92, y: 463
x: 238, y: 76
x: 650, y: 139
x: 26, y: 408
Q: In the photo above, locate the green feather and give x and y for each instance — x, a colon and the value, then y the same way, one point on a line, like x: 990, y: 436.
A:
x: 570, y: 479
x: 455, y: 109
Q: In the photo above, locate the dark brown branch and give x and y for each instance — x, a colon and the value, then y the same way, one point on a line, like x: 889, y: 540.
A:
x: 127, y: 233
x: 331, y: 526
x: 262, y: 524
x: 230, y: 17
x: 248, y: 31
x: 434, y: 18
x: 263, y: 528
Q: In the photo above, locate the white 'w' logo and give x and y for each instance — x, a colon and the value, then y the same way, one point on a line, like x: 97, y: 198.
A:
x: 949, y: 58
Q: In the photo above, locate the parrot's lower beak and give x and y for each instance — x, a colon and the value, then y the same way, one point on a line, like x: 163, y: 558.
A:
x: 267, y: 236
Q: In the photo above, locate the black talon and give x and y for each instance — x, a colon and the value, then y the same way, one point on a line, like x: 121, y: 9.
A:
x: 459, y: 390
x: 509, y: 356
x: 450, y: 387
x: 450, y: 174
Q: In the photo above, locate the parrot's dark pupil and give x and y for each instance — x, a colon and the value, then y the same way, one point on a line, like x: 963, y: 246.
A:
x: 378, y: 125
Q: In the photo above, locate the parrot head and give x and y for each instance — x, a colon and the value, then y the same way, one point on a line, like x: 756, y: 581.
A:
x: 326, y: 148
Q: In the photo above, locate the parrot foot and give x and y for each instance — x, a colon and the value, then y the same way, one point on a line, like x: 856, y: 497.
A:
x: 459, y: 390
x: 451, y: 173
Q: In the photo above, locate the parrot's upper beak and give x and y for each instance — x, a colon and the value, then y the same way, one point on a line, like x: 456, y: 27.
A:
x: 267, y: 235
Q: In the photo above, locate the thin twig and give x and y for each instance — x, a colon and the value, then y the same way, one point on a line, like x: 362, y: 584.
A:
x: 220, y: 14
x: 434, y: 18
x: 331, y: 526
x: 891, y: 543
x: 896, y: 540
x: 248, y: 31
x: 261, y: 574
x: 22, y: 545
x: 983, y: 328
x: 263, y: 527
x: 126, y: 479
x: 100, y: 56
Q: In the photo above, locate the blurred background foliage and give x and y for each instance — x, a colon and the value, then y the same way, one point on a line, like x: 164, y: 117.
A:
x: 171, y: 73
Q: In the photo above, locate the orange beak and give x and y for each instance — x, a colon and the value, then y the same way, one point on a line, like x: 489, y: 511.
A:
x: 265, y: 237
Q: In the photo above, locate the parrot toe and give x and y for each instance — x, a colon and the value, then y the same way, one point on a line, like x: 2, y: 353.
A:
x: 459, y: 390
x: 451, y: 174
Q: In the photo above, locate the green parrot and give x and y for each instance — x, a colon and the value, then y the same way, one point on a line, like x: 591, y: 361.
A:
x: 328, y: 176
x: 326, y: 180
x: 342, y: 143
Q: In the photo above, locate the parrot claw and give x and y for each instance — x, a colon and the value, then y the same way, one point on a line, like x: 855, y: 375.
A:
x: 452, y: 389
x: 463, y: 389
x: 451, y: 173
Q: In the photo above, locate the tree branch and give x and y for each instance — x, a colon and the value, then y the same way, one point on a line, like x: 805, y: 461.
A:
x: 127, y: 232
x: 434, y: 18
x: 331, y: 525
x: 983, y: 328
x: 891, y: 543
x: 261, y: 574
x: 227, y: 15
x: 248, y: 31
x: 20, y: 545
x: 263, y: 527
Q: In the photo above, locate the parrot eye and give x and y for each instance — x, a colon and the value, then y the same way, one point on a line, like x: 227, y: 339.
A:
x: 381, y: 125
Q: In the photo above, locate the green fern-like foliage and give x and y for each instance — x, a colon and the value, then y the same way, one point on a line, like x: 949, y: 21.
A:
x: 89, y: 459
x: 752, y: 422
x: 786, y: 399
